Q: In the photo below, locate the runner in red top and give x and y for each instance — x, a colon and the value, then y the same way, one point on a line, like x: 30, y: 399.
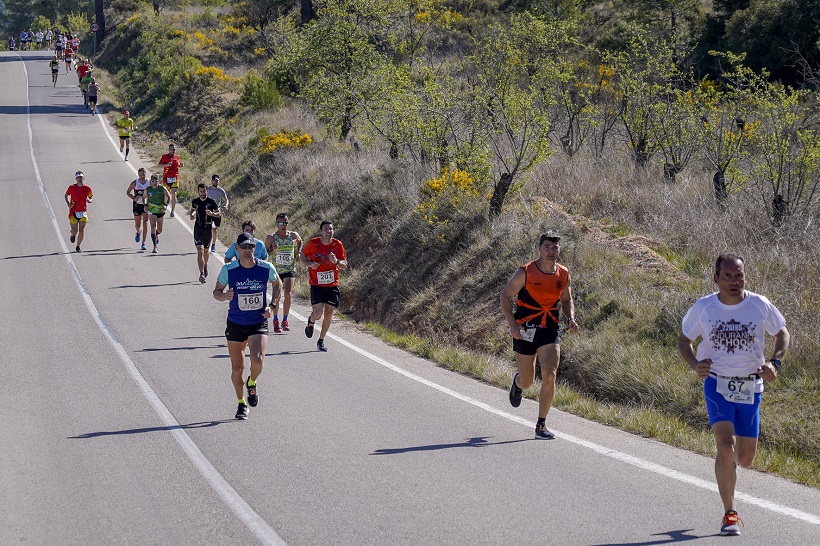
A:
x: 170, y: 173
x: 325, y: 256
x: 77, y: 198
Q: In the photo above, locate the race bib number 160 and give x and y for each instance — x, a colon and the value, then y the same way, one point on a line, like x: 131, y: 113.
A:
x: 250, y: 302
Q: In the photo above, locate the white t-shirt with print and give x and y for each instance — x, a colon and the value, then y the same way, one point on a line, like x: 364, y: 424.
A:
x: 733, y: 335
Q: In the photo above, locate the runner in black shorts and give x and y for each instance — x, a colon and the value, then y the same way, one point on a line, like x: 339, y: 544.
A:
x: 537, y: 288
x: 203, y: 211
x: 244, y: 284
x: 325, y: 257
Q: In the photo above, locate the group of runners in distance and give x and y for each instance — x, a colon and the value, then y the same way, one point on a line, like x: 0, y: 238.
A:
x: 732, y: 322
x: 244, y: 277
x: 31, y: 41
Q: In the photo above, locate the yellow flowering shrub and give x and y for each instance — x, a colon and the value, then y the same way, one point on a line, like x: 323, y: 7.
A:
x: 214, y: 73
x: 446, y: 194
x: 285, y: 139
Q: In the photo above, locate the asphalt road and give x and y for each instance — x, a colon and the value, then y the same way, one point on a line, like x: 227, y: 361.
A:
x: 116, y: 408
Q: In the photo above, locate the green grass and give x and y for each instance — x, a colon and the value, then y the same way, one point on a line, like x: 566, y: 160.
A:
x: 642, y: 420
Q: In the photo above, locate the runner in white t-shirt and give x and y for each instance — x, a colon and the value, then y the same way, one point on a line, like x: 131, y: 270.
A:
x: 732, y: 324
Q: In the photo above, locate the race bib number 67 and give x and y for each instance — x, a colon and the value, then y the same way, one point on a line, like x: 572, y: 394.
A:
x: 736, y: 389
x: 250, y: 302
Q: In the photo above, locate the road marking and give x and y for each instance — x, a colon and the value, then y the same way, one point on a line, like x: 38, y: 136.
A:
x: 253, y: 521
x: 608, y: 452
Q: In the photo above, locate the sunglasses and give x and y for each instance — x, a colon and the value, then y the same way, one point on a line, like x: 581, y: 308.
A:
x: 247, y: 247
x: 281, y: 223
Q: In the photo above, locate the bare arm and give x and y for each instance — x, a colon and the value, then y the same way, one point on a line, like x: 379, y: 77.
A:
x: 514, y: 286
x: 568, y: 306
x: 220, y: 294
x: 131, y: 187
x: 701, y: 367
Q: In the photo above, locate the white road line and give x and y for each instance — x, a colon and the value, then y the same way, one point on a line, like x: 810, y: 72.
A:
x: 609, y: 452
x: 623, y: 457
x: 253, y: 521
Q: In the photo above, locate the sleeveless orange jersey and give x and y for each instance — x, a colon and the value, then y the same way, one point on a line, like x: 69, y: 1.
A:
x: 537, y: 302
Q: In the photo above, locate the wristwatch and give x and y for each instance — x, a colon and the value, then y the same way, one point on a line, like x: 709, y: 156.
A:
x: 776, y: 363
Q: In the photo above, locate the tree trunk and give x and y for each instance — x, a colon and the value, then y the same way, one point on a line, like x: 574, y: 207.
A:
x: 719, y: 182
x: 499, y: 194
x: 780, y: 209
x: 308, y: 14
x: 100, y: 15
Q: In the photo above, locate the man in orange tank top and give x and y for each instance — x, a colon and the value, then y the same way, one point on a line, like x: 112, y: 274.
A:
x: 537, y: 288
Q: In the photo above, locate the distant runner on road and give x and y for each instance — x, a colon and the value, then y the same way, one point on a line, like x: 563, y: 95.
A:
x: 136, y: 192
x: 246, y: 281
x: 125, y: 125
x: 203, y: 211
x: 260, y: 252
x: 170, y: 164
x: 156, y: 201
x: 54, y: 64
x: 284, y: 247
x: 77, y: 198
x: 219, y: 195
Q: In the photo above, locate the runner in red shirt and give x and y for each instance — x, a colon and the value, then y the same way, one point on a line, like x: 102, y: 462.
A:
x: 77, y: 198
x: 170, y: 173
x: 325, y: 256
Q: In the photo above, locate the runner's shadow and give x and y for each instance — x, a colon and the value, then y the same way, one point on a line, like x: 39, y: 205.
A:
x: 674, y: 537
x: 201, y: 337
x: 118, y: 220
x: 203, y: 424
x: 156, y: 349
x: 105, y: 161
x: 283, y: 353
x: 35, y: 255
x: 479, y: 441
x: 155, y: 286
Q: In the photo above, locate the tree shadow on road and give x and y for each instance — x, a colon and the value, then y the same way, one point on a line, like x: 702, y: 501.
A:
x: 202, y: 424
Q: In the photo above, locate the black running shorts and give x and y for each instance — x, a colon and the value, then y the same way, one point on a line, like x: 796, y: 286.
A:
x: 543, y: 336
x: 241, y: 332
x: 202, y: 235
x: 325, y: 294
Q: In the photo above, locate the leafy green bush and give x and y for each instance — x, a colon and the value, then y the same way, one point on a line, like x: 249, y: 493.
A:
x: 258, y: 93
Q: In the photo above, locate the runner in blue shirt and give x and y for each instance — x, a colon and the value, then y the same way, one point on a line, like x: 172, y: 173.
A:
x: 260, y: 252
x: 246, y: 281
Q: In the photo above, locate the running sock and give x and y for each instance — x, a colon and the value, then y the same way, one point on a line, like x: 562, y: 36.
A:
x: 284, y: 317
x: 275, y: 317
x: 154, y: 238
x: 251, y: 382
x: 242, y: 401
x: 541, y: 421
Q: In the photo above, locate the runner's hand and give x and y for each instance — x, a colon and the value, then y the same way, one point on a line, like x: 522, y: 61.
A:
x: 227, y: 295
x: 515, y: 330
x: 703, y: 367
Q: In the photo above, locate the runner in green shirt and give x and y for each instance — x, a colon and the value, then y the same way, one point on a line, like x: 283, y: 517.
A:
x: 156, y: 202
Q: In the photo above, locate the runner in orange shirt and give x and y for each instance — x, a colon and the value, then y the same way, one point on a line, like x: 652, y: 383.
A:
x: 537, y: 288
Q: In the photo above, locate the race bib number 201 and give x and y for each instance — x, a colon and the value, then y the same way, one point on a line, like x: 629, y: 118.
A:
x: 325, y: 277
x: 250, y: 302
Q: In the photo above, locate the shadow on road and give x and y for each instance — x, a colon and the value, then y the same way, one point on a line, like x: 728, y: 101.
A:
x: 156, y: 349
x: 34, y: 256
x: 673, y: 537
x: 479, y: 441
x: 155, y: 286
x: 203, y: 424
